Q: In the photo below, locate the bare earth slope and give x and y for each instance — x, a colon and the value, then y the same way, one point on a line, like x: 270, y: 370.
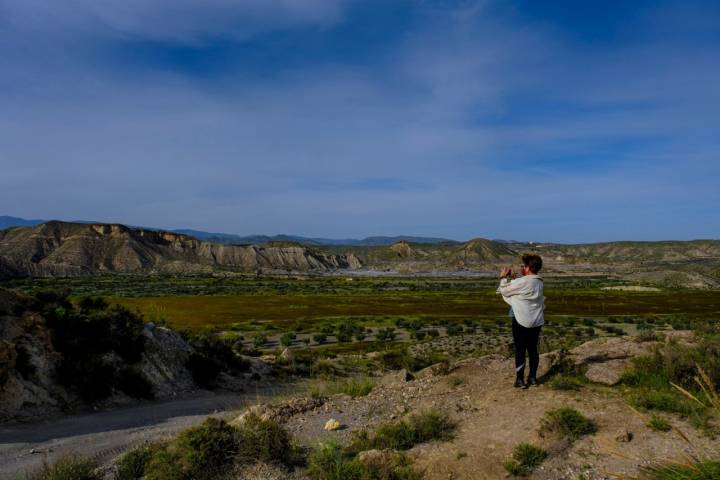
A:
x: 493, y: 417
x: 67, y: 249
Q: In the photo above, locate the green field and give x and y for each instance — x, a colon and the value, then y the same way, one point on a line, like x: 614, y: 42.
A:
x: 246, y: 302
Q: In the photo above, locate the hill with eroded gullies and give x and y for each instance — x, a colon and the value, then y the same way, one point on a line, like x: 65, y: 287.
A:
x: 71, y: 249
x: 76, y: 249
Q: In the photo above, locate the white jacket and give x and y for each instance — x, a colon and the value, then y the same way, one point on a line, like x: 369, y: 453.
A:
x: 526, y: 300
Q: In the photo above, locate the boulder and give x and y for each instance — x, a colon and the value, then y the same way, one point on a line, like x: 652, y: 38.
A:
x: 611, y: 348
x: 286, y: 356
x: 607, y: 373
x: 332, y: 425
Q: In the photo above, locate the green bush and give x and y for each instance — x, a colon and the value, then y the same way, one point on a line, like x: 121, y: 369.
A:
x: 454, y: 330
x: 329, y: 462
x: 222, y: 351
x: 323, y: 367
x: 84, y: 335
x: 385, y: 334
x: 68, y: 468
x: 210, y: 450
x: 403, y: 435
x: 566, y: 422
x: 355, y: 387
x: 200, y: 453
x: 132, y: 465
x: 659, y: 424
x: 264, y: 441
x: 259, y: 340
x: 396, y: 359
x: 287, y: 338
x: 525, y: 458
x: 666, y: 401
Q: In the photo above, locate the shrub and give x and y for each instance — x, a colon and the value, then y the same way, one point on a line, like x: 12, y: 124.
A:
x: 92, y: 303
x: 134, y: 383
x: 646, y: 334
x: 264, y: 441
x: 665, y: 401
x: 259, y: 340
x: 396, y: 359
x: 417, y: 335
x: 566, y: 422
x: 525, y: 458
x: 343, y: 336
x: 84, y: 336
x: 323, y: 367
x: 454, y: 330
x: 222, y: 351
x: 68, y: 468
x: 402, y: 435
x: 385, y: 334
x: 133, y: 463
x: 287, y: 338
x: 329, y: 462
x: 200, y: 453
x: 93, y: 380
x: 203, y: 369
x: 320, y: 338
x: 355, y: 387
x: 659, y: 424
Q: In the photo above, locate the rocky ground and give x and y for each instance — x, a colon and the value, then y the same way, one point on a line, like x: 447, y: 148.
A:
x: 493, y: 417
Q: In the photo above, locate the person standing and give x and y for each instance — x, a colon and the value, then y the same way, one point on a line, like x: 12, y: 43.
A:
x: 524, y: 294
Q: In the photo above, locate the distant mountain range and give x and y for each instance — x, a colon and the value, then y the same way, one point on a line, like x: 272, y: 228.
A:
x: 76, y: 249
x: 81, y: 248
x: 233, y: 239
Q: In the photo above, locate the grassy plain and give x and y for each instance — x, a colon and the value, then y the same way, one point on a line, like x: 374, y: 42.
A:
x: 250, y: 303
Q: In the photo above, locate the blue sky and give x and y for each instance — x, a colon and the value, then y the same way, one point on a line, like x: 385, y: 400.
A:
x: 570, y: 121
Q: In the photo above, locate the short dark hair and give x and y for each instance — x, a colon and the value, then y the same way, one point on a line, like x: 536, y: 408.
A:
x: 532, y: 261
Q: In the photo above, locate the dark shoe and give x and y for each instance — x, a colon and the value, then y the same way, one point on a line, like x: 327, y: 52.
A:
x: 519, y: 383
x: 532, y: 381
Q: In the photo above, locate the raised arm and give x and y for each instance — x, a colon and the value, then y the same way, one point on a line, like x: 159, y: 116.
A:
x: 509, y: 288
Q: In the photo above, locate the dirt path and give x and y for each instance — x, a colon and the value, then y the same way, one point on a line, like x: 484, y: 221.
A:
x: 105, y: 434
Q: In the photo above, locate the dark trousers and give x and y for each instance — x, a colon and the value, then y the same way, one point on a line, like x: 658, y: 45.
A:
x: 525, y: 340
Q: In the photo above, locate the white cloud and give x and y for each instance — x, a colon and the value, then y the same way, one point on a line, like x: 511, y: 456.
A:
x: 184, y: 21
x: 444, y: 113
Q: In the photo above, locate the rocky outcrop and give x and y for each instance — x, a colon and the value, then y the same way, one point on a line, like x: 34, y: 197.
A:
x: 29, y: 384
x: 70, y: 249
x: 402, y: 249
x: 280, y: 412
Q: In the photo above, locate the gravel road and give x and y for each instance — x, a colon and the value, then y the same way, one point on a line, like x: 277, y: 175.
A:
x: 105, y: 434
